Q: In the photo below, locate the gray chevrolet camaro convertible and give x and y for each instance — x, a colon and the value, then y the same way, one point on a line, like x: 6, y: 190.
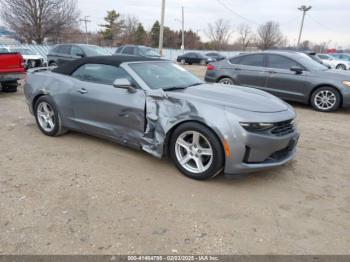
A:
x: 163, y: 109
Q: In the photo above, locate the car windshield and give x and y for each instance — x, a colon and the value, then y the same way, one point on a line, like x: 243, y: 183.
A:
x: 310, y: 64
x: 24, y: 51
x: 146, y: 51
x: 3, y: 51
x: 94, y: 50
x: 164, y: 75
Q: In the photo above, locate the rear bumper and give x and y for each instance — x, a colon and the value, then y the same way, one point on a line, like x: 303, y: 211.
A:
x: 210, y: 79
x: 11, y: 77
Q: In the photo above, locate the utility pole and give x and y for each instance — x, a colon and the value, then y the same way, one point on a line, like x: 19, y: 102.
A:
x: 304, y: 9
x: 161, y: 32
x: 183, y: 30
x: 86, y: 20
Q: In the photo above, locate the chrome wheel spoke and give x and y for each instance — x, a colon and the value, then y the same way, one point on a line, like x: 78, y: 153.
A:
x: 206, y: 151
x: 195, y: 139
x: 183, y: 143
x: 199, y: 164
x: 185, y: 160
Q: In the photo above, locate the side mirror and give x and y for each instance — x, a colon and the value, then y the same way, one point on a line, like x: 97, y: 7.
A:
x: 124, y: 83
x: 297, y: 70
x: 80, y: 55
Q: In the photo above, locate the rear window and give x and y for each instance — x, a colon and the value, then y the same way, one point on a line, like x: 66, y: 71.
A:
x: 63, y: 49
x: 129, y: 50
x: 252, y: 60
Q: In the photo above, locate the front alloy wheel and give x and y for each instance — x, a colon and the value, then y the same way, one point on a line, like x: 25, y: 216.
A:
x: 326, y: 99
x: 196, y: 151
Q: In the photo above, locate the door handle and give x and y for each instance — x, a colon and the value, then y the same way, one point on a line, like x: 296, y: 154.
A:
x: 82, y: 91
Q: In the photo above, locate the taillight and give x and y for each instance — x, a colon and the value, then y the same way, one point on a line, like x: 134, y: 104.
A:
x: 210, y: 67
x: 22, y: 62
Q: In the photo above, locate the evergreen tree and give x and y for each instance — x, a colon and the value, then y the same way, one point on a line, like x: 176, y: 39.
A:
x: 140, y: 35
x: 113, y: 27
x: 155, y: 34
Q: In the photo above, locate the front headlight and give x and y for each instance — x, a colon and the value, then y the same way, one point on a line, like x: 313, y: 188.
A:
x: 256, y: 126
x: 346, y: 83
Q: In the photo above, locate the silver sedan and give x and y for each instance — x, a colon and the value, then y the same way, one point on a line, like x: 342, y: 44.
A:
x: 163, y: 109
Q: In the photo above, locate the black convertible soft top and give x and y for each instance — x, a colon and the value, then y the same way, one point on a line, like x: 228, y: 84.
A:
x: 114, y: 60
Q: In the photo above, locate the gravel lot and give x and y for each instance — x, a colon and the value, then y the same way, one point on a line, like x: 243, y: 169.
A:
x: 77, y: 194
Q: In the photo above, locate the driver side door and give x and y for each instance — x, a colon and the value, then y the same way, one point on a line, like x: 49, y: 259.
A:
x: 103, y: 110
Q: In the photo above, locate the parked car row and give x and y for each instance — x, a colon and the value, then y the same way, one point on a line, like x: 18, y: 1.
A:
x: 291, y: 76
x: 198, y: 58
x: 334, y: 61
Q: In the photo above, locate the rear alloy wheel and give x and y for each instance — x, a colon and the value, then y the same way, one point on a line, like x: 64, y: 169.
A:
x: 196, y: 151
x: 226, y: 81
x: 183, y: 61
x: 47, y: 117
x: 326, y: 99
x: 341, y: 67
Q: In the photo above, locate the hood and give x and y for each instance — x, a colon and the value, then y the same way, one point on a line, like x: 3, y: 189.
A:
x: 34, y: 57
x: 336, y: 74
x: 238, y: 97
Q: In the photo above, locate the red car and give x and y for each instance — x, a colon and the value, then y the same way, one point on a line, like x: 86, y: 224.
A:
x: 11, y: 70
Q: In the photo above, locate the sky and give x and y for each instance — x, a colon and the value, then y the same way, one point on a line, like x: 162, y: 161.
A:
x: 327, y: 21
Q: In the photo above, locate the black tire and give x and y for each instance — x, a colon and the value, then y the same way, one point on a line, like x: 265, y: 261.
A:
x: 214, y: 167
x: 315, y: 97
x: 341, y: 67
x: 58, y: 128
x: 226, y: 81
x: 52, y: 63
x: 10, y: 87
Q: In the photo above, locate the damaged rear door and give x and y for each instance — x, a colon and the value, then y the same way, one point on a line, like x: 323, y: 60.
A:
x: 102, y: 109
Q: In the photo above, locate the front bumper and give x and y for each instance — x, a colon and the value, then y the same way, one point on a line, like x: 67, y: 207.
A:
x: 258, y: 152
x: 346, y: 97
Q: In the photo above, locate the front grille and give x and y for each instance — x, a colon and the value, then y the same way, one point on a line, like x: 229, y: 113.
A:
x: 283, y: 128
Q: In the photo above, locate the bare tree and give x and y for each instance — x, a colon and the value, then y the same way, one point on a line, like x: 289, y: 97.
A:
x: 269, y: 35
x: 34, y: 20
x: 130, y: 27
x: 245, y: 35
x: 219, y: 33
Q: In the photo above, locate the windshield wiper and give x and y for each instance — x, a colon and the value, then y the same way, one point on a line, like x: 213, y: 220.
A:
x: 173, y: 88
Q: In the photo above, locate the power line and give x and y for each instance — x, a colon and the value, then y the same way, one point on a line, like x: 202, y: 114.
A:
x: 235, y: 13
x: 326, y: 26
x: 248, y: 19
